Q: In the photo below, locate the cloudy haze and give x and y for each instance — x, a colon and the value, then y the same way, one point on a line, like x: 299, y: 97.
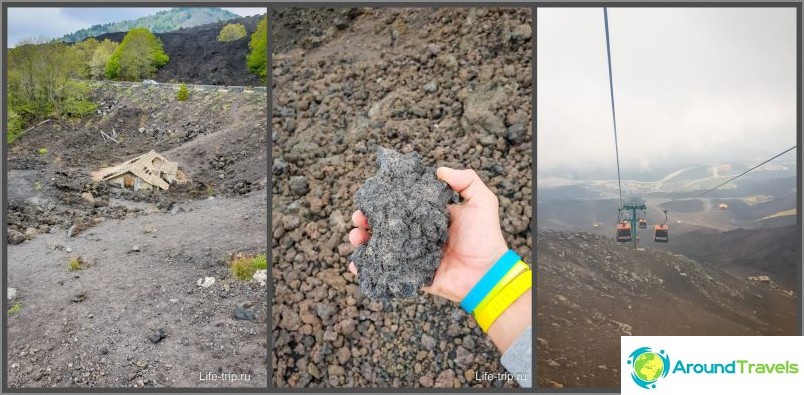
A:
x: 691, y: 85
x: 54, y: 22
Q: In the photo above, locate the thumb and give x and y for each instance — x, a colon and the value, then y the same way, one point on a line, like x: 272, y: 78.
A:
x: 465, y: 182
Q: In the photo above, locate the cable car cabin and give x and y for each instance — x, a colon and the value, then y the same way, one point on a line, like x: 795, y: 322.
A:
x: 623, y: 232
x: 643, y: 223
x: 661, y: 234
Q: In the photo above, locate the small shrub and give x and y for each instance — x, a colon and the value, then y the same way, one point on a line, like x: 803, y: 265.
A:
x: 183, y: 93
x: 260, y: 262
x: 15, y: 308
x: 42, y: 151
x: 78, y: 108
x: 210, y: 190
x: 74, y: 264
x: 244, y: 267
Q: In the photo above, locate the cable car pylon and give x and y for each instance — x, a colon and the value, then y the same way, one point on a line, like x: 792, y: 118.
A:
x: 634, y: 205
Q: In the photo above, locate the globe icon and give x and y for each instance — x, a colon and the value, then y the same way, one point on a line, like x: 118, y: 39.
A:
x: 648, y: 366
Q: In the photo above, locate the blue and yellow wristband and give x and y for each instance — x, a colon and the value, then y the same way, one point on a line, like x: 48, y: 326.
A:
x: 500, y: 287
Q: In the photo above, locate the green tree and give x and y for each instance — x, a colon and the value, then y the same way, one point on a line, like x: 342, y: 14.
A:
x: 37, y: 84
x: 231, y: 32
x: 257, y: 60
x: 84, y: 50
x: 99, y: 59
x: 137, y: 57
x: 183, y: 93
x: 42, y: 83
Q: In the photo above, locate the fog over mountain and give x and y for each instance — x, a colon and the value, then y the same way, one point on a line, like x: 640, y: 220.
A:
x: 691, y: 86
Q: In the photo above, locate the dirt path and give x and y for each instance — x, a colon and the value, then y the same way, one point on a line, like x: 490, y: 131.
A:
x: 59, y: 340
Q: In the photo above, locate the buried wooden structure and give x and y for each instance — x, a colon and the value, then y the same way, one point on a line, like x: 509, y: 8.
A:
x: 146, y: 171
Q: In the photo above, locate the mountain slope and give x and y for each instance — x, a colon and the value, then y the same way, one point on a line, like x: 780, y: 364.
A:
x: 590, y: 291
x: 745, y: 252
x: 162, y: 21
x: 197, y: 57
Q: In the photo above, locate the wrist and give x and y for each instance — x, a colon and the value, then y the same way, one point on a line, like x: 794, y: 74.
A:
x: 501, y: 300
x: 512, y: 322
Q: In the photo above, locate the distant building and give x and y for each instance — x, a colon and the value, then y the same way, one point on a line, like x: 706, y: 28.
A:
x: 143, y: 172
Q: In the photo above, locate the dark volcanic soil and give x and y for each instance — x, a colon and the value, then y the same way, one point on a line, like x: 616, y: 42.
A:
x: 746, y: 252
x: 590, y: 291
x: 134, y: 315
x: 452, y: 84
x: 197, y: 57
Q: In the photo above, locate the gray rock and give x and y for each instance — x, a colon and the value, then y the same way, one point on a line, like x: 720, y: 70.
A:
x: 463, y: 357
x: 244, y: 314
x: 522, y: 32
x: 488, y: 141
x: 430, y: 87
x: 79, y: 297
x: 477, y: 109
x: 157, y: 335
x: 280, y: 167
x: 428, y: 342
x: 298, y: 185
x: 290, y: 222
x: 15, y: 237
x: 515, y: 134
x: 12, y: 293
x: 406, y: 206
x: 325, y: 310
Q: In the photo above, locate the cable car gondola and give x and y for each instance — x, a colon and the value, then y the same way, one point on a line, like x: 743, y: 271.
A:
x: 623, y: 232
x: 623, y: 228
x: 662, y: 232
x: 643, y: 223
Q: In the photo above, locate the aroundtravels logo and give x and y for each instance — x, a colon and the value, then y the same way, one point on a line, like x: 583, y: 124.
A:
x: 711, y: 364
x: 648, y: 366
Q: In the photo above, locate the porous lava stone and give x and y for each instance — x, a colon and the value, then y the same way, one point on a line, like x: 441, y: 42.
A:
x: 406, y: 207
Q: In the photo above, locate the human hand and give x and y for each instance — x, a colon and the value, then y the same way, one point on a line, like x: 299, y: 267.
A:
x: 475, y: 238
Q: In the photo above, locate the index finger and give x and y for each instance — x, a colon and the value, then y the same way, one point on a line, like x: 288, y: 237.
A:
x: 360, y: 220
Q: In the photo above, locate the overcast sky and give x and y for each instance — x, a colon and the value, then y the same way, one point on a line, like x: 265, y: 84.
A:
x: 691, y: 85
x: 56, y: 22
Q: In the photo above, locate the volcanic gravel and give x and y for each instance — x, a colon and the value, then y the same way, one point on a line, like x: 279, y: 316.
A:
x: 452, y: 84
